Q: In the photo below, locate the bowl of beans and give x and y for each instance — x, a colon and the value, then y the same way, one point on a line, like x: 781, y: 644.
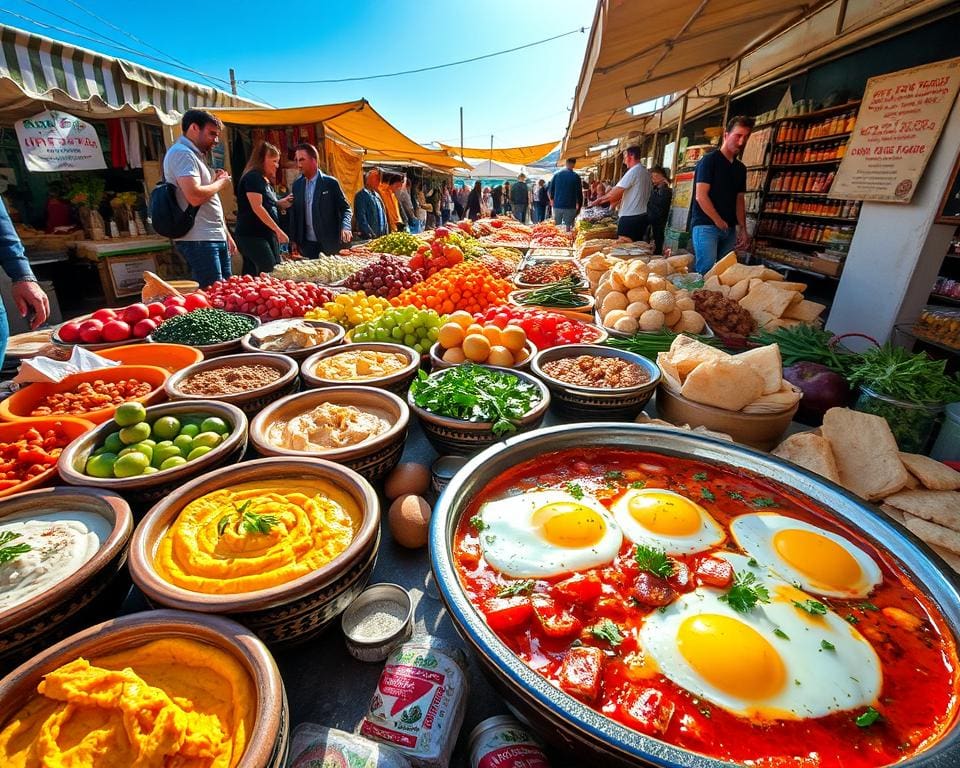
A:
x: 248, y: 381
x: 213, y: 331
x: 592, y: 382
x: 91, y: 395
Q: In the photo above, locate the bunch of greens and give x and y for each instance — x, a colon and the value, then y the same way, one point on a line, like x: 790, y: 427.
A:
x: 563, y: 293
x: 914, y: 378
x: 473, y: 393
x: 801, y: 343
x: 649, y: 343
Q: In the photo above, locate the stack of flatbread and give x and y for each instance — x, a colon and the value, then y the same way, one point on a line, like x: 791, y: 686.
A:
x: 858, y: 451
x: 764, y: 293
x: 751, y: 382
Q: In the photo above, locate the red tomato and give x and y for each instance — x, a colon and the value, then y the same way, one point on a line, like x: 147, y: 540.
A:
x: 507, y: 612
x: 91, y: 332
x: 173, y: 310
x: 196, y: 301
x: 144, y: 328
x: 69, y: 332
x: 580, y: 587
x: 104, y: 315
x: 580, y: 672
x: 715, y: 572
x: 116, y: 330
x: 554, y: 621
x: 174, y: 301
x: 156, y: 308
x: 135, y: 313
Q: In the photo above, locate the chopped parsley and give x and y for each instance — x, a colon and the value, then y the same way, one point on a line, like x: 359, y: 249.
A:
x: 867, y: 607
x: 867, y: 718
x: 700, y: 476
x: 574, y: 490
x: 607, y: 630
x: 813, y: 607
x: 638, y: 484
x: 852, y: 619
x: 780, y: 633
x: 222, y: 524
x: 522, y: 587
x: 254, y: 523
x: 489, y: 539
x: 10, y: 551
x: 654, y: 561
x: 735, y: 496
x: 476, y: 522
x: 752, y: 562
x: 613, y: 474
x: 706, y: 493
x: 745, y: 593
x: 826, y: 645
x: 763, y: 502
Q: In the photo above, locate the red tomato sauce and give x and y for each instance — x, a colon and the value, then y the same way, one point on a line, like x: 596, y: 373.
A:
x: 917, y: 703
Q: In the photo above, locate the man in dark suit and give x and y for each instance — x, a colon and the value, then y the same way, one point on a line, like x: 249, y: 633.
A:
x: 371, y: 211
x: 320, y: 215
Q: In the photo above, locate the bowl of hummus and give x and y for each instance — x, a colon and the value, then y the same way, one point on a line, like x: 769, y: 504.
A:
x: 363, y: 428
x: 369, y: 364
x: 281, y: 545
x: 294, y: 337
x: 212, y: 690
x: 62, y: 552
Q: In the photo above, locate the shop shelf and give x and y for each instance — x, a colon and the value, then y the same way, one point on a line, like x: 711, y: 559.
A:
x: 807, y: 243
x: 807, y: 165
x: 784, y: 193
x: 811, y: 216
x: 949, y: 301
x: 910, y: 331
x: 783, y: 265
x: 811, y: 141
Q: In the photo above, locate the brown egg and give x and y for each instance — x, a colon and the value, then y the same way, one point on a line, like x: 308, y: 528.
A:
x: 409, y: 519
x: 405, y: 479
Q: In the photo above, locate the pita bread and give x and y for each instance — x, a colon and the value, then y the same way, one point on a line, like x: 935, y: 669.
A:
x: 776, y: 402
x: 723, y: 383
x: 668, y: 371
x: 948, y: 557
x: 893, y: 513
x: 766, y: 297
x: 805, y: 311
x: 866, y: 453
x: 739, y: 272
x: 721, y: 266
x: 772, y: 275
x: 739, y: 290
x: 934, y: 474
x: 811, y: 452
x: 933, y: 534
x: 767, y: 362
x: 789, y: 286
x: 941, y: 507
x: 912, y: 482
x: 687, y: 353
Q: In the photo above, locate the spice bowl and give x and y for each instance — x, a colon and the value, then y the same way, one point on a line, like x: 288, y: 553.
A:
x: 217, y: 371
x: 396, y: 381
x: 379, y: 620
x: 145, y: 490
x: 251, y: 342
x: 596, y: 403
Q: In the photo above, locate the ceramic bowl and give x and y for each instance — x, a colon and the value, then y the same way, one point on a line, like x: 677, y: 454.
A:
x: 590, y: 403
x: 22, y: 402
x: 144, y: 490
x: 251, y: 401
x: 68, y: 428
x: 268, y: 740
x: 581, y: 734
x: 250, y: 343
x: 757, y: 430
x: 285, y: 614
x: 585, y: 308
x: 461, y: 438
x: 173, y: 357
x: 56, y: 339
x: 221, y: 348
x: 372, y: 458
x: 91, y: 593
x: 396, y: 382
x: 437, y: 363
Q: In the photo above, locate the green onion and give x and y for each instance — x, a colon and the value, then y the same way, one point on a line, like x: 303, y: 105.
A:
x: 562, y: 293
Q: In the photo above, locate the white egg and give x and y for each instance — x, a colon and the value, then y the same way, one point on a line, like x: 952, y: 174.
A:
x: 816, y: 560
x: 547, y: 533
x: 776, y: 661
x: 666, y: 520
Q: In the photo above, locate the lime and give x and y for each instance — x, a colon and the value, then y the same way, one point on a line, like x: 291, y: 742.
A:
x: 164, y: 444
x: 113, y: 443
x: 145, y: 448
x: 164, y: 452
x: 131, y: 464
x: 149, y: 441
x: 101, y: 466
x: 150, y: 470
x: 208, y: 439
x: 128, y: 414
x: 184, y: 443
x: 173, y: 461
x: 166, y: 427
x: 135, y: 433
x: 190, y: 430
x: 199, y: 451
x: 215, y: 424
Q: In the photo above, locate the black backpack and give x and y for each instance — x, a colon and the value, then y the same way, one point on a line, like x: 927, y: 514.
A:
x: 167, y: 217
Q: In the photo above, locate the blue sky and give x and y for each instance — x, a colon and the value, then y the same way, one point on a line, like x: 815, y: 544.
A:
x: 521, y: 98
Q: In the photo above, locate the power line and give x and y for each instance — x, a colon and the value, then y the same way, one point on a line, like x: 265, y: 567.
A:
x: 581, y: 30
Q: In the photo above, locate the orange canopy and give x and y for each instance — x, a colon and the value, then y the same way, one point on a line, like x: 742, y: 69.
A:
x: 514, y: 155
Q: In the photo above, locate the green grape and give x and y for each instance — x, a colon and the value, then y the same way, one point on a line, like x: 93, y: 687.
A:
x: 382, y: 334
x: 408, y: 328
x: 397, y: 332
x: 410, y: 340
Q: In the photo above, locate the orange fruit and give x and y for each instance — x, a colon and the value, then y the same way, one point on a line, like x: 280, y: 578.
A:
x: 492, y: 332
x: 461, y: 318
x: 474, y: 328
x: 450, y: 335
x: 454, y: 355
x: 513, y: 337
x: 500, y: 356
x: 476, y: 347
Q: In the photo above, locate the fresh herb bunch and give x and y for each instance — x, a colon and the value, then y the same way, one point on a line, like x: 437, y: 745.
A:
x: 654, y: 561
x: 650, y: 343
x: 745, y: 593
x: 563, y: 293
x: 801, y: 343
x: 474, y: 393
x: 204, y: 326
x: 914, y: 378
x: 10, y: 551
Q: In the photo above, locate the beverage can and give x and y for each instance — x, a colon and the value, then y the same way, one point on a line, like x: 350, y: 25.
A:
x: 503, y: 742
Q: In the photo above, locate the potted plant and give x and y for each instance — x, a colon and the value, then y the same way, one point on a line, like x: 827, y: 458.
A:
x: 85, y: 192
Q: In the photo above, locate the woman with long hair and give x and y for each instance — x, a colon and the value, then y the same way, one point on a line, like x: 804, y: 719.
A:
x: 258, y: 232
x: 473, y: 202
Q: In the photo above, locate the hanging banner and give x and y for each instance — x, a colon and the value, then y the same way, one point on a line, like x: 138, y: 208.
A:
x: 56, y: 141
x: 900, y: 121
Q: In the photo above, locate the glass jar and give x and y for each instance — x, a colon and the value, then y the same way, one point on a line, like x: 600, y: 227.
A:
x: 913, y: 425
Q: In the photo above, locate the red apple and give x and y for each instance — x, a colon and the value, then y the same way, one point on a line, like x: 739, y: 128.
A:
x: 104, y: 315
x: 144, y: 328
x: 116, y: 330
x: 69, y: 332
x: 156, y: 308
x: 174, y: 310
x: 135, y: 313
x: 91, y: 331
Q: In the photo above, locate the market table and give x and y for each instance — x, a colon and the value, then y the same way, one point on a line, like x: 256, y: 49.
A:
x: 121, y: 262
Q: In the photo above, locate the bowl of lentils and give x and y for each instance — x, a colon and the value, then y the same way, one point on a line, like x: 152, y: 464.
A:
x: 248, y: 381
x: 213, y: 331
x: 592, y: 382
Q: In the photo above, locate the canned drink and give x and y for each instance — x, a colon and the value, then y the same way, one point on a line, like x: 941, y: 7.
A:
x: 503, y: 742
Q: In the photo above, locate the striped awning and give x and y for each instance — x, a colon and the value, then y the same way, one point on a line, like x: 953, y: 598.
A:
x: 35, y: 68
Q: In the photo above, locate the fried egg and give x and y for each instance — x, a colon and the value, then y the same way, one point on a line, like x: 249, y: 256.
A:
x: 776, y: 661
x: 666, y: 520
x: 817, y: 560
x: 547, y: 533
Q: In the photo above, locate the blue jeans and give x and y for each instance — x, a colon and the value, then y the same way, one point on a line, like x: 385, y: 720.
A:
x: 209, y: 260
x: 520, y: 213
x: 540, y: 213
x: 564, y: 216
x: 709, y: 243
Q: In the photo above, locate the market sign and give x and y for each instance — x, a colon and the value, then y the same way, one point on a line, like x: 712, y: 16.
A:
x: 56, y: 141
x: 900, y: 120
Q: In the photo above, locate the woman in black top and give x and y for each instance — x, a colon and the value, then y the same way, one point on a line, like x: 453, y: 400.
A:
x: 258, y: 231
x: 473, y: 202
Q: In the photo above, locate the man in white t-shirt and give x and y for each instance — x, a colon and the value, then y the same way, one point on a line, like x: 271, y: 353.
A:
x: 632, y: 193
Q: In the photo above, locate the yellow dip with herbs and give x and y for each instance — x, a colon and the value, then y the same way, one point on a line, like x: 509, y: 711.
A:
x: 257, y: 535
x: 170, y: 702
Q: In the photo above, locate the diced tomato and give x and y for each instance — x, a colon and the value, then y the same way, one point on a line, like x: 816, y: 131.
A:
x: 554, y: 621
x: 715, y: 572
x: 652, y: 590
x: 681, y: 579
x: 581, y: 671
x: 646, y: 710
x: 610, y: 608
x: 469, y: 554
x: 507, y: 613
x: 580, y: 587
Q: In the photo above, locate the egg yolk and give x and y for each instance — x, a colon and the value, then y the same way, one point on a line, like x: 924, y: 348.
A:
x: 665, y: 514
x: 568, y: 524
x: 822, y: 560
x: 731, y: 656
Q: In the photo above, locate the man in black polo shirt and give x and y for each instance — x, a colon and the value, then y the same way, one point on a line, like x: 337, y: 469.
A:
x: 718, y: 207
